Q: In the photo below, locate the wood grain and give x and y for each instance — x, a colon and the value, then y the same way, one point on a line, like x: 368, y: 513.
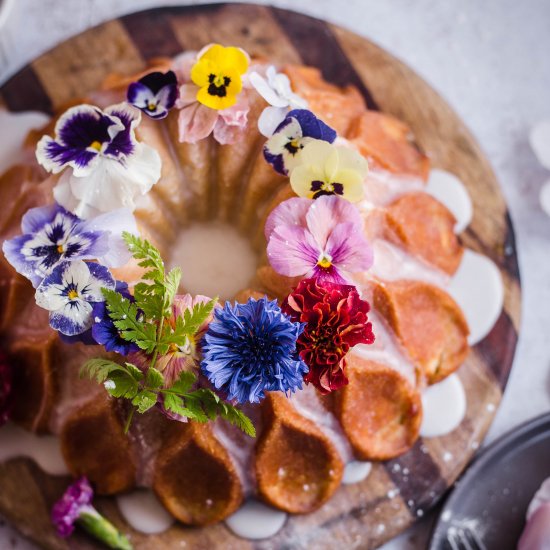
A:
x: 362, y: 515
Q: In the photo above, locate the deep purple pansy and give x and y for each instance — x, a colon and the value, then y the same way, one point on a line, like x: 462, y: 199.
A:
x: 155, y: 93
x: 299, y: 127
x: 104, y: 167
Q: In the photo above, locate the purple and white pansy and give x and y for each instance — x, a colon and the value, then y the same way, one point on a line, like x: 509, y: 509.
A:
x: 300, y: 126
x: 154, y: 94
x: 104, y: 167
x: 322, y: 238
x: 52, y: 235
x: 69, y: 293
x: 276, y: 90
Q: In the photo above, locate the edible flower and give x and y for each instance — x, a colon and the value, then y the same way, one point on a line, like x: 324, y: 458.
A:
x: 6, y: 381
x: 217, y: 73
x: 104, y: 167
x: 197, y: 119
x: 178, y: 358
x: 326, y: 169
x: 52, y: 235
x: 299, y: 127
x: 154, y: 94
x: 322, y: 239
x: 250, y: 348
x: 276, y: 90
x: 75, y: 507
x: 335, y: 319
x: 68, y: 293
x: 104, y: 331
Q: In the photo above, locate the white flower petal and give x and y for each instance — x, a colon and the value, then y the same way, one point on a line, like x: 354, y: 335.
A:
x: 50, y: 297
x: 78, y: 312
x: 270, y: 118
x: 264, y: 88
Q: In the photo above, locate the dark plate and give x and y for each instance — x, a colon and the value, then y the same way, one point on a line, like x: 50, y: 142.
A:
x: 493, y: 496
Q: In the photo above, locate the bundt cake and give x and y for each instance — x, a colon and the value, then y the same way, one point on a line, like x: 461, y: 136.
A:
x: 334, y: 195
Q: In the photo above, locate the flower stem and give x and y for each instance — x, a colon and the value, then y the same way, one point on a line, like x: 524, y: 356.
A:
x: 129, y: 420
x: 102, y: 529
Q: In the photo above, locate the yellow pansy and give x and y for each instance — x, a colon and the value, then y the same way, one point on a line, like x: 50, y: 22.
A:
x: 218, y: 73
x: 327, y: 169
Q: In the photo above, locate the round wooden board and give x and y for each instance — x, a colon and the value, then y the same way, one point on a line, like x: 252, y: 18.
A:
x: 362, y: 515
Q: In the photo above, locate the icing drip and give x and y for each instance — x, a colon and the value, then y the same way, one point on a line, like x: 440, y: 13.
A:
x: 142, y: 510
x: 44, y: 450
x: 255, y: 520
x: 356, y: 471
x: 477, y: 287
x: 444, y: 407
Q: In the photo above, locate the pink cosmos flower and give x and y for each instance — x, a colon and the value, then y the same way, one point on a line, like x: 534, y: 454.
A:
x: 178, y: 358
x: 321, y: 238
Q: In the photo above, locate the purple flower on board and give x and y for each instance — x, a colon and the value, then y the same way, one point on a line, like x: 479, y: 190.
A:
x: 76, y: 499
x: 75, y: 507
x: 300, y: 126
x: 69, y: 292
x: 104, y: 166
x: 154, y: 94
x: 321, y: 238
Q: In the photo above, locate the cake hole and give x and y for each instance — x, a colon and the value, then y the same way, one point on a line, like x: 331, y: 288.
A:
x: 215, y: 259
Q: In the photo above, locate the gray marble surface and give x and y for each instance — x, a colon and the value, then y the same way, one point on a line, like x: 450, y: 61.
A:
x: 488, y: 59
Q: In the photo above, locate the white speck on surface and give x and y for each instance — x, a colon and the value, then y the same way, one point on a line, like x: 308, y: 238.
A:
x: 446, y: 515
x: 396, y: 467
x: 491, y: 407
x: 447, y: 456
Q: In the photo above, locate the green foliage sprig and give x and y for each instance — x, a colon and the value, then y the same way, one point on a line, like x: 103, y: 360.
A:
x: 143, y: 322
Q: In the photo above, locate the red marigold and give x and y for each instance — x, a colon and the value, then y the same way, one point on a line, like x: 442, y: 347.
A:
x: 336, y: 320
x: 5, y: 388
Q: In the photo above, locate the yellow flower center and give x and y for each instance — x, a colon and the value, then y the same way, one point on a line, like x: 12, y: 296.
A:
x: 96, y: 145
x: 151, y: 106
x: 324, y: 262
x: 73, y: 294
x: 60, y: 249
x: 328, y: 187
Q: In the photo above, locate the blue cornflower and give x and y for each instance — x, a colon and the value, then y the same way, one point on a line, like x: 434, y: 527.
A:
x: 251, y: 348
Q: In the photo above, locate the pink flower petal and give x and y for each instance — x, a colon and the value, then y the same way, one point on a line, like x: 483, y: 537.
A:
x: 327, y: 213
x: 237, y: 115
x: 330, y: 275
x: 196, y: 122
x: 349, y: 249
x: 536, y: 535
x: 292, y: 251
x: 226, y: 134
x: 187, y: 96
x: 290, y: 212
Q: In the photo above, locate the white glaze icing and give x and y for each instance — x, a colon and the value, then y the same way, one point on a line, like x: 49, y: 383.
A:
x: 215, y: 259
x: 450, y: 191
x: 356, y: 471
x: 254, y: 520
x: 539, y: 138
x: 393, y: 263
x: 544, y: 198
x: 382, y: 187
x: 15, y: 127
x: 144, y: 512
x: 44, y: 450
x: 444, y: 407
x: 386, y: 350
x: 308, y: 404
x: 478, y: 289
x: 542, y: 496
